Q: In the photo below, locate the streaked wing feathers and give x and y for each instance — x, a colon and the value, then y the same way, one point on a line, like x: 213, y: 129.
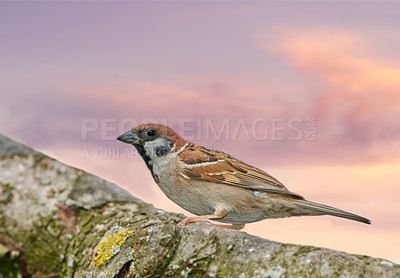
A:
x: 214, y: 166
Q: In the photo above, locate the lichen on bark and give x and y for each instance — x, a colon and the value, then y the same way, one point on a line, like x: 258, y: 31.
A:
x: 59, y: 221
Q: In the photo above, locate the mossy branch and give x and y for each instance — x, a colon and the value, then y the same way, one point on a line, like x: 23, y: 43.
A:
x: 59, y: 221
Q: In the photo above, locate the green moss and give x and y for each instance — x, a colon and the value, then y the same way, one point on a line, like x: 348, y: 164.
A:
x: 110, y: 246
x: 39, y: 157
x: 85, y: 221
x: 42, y: 249
x: 10, y: 266
x: 54, y: 228
x: 6, y: 193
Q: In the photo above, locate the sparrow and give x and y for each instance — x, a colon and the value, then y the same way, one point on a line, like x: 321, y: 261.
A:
x: 216, y: 186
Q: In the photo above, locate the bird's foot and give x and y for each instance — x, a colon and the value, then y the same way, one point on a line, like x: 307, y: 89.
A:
x: 192, y: 220
x: 189, y: 220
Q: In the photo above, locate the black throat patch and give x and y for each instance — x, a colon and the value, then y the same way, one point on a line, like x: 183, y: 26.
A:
x: 145, y: 157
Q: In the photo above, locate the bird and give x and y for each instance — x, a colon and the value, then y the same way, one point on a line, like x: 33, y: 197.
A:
x: 214, y: 185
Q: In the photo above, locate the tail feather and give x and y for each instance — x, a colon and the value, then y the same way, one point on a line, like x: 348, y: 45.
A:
x: 331, y: 211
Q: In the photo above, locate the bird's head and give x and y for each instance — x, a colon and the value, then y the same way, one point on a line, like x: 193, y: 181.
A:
x: 153, y: 141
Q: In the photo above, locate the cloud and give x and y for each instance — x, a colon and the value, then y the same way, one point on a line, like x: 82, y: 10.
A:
x: 339, y: 58
x: 354, y: 87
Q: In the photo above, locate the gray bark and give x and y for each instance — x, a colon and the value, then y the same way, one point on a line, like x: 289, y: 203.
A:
x: 59, y: 221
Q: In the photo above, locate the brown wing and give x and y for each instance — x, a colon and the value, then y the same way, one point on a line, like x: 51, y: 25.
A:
x: 214, y: 166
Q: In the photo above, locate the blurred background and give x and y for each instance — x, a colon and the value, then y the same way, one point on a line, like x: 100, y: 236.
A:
x: 308, y: 91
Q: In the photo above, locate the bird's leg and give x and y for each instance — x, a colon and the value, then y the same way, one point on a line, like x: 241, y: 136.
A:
x: 236, y: 227
x: 218, y: 214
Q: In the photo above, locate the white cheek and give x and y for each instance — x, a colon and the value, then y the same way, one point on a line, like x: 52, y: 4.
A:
x: 156, y: 161
x: 151, y: 146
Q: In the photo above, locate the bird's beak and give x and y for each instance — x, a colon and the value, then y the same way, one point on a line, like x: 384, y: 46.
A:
x: 129, y: 138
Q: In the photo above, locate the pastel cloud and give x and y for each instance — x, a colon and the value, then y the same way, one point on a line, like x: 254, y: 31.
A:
x: 340, y: 57
x: 355, y: 89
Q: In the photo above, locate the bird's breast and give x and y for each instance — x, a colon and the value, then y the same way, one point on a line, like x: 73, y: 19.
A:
x: 165, y: 177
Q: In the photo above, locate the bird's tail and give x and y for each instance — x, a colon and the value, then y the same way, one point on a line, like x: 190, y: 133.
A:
x: 323, y: 209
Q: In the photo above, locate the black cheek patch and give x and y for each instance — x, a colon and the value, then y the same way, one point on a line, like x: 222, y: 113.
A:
x: 162, y: 150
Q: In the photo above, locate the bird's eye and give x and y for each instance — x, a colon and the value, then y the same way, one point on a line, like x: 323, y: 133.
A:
x: 151, y: 132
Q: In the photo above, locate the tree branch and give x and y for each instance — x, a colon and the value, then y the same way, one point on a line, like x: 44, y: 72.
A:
x: 65, y: 222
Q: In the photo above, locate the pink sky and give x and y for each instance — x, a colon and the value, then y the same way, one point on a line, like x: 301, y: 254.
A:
x: 243, y: 69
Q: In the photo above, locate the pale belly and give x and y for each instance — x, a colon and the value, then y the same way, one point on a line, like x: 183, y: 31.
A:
x: 202, y: 198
